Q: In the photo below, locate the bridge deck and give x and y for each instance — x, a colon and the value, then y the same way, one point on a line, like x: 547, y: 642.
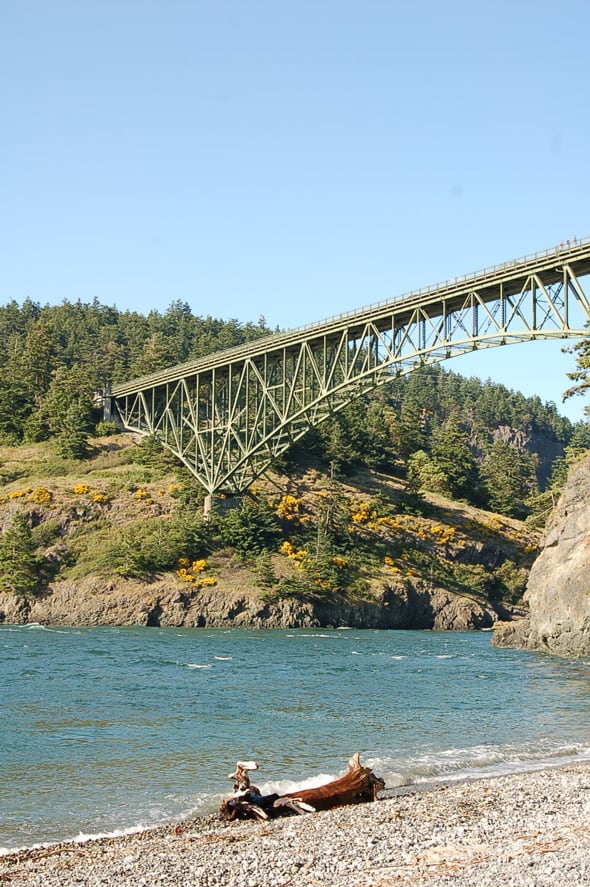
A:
x: 511, y: 275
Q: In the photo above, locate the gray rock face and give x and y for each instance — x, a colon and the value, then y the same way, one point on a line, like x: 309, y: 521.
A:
x: 558, y: 590
x: 161, y: 603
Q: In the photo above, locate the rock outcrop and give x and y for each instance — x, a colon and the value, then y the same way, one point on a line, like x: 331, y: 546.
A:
x: 558, y: 589
x: 94, y: 602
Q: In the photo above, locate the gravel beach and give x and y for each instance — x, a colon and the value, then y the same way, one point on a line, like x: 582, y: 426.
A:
x: 529, y: 829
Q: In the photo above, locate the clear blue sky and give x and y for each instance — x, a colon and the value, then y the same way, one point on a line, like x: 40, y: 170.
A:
x: 290, y: 160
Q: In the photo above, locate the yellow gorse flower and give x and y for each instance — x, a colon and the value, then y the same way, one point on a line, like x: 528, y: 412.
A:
x: 41, y: 496
x: 191, y: 572
x: 289, y: 507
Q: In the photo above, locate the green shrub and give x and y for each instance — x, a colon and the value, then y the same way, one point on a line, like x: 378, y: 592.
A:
x: 264, y: 570
x: 250, y: 530
x: 473, y: 577
x: 509, y: 582
x: 150, y: 453
x: 149, y: 547
x: 107, y: 429
x: 46, y: 533
x: 292, y: 587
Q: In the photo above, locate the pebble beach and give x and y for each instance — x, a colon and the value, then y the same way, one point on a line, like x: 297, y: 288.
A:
x: 526, y: 829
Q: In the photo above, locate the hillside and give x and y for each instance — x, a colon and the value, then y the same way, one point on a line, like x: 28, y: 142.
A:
x: 119, y: 538
x: 403, y: 510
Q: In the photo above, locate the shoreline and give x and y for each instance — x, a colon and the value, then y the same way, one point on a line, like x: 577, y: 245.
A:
x: 209, y: 812
x: 529, y: 828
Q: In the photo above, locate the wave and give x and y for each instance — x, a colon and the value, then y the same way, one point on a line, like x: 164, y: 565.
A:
x: 452, y: 765
x: 281, y: 786
x: 476, y: 762
x: 427, y: 769
x: 311, y: 634
x: 34, y: 626
x: 38, y: 626
x: 80, y: 838
x: 202, y: 806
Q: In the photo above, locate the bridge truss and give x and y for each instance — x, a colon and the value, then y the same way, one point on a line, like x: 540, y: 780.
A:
x: 227, y: 416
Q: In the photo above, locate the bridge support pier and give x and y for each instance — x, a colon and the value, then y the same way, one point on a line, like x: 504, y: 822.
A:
x: 220, y: 504
x: 109, y: 412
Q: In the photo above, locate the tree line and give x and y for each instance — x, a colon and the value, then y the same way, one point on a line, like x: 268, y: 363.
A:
x: 54, y: 359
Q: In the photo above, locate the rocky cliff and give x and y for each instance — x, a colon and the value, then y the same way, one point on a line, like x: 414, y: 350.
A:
x: 240, y: 605
x: 558, y: 588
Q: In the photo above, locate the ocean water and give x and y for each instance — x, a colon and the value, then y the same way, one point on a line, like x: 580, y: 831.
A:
x: 104, y: 730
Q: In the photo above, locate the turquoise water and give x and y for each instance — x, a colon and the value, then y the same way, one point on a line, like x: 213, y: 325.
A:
x: 107, y: 729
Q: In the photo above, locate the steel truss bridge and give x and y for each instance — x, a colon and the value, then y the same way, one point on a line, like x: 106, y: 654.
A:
x: 228, y: 415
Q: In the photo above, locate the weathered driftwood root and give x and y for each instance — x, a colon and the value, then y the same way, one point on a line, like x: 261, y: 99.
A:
x: 357, y: 786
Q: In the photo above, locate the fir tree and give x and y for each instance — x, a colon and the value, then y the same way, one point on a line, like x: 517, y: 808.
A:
x: 453, y: 456
x: 19, y: 566
x: 581, y: 375
x: 509, y: 476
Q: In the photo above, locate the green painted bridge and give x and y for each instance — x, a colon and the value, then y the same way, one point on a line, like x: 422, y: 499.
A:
x: 228, y: 415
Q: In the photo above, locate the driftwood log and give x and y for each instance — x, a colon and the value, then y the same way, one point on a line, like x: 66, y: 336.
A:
x: 357, y: 786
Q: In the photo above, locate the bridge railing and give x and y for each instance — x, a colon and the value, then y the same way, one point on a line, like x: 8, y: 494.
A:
x: 566, y: 249
x: 490, y: 272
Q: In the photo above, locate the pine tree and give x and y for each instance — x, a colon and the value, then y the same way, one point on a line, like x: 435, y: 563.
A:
x: 72, y: 440
x: 580, y: 376
x: 509, y: 476
x: 156, y: 355
x: 67, y: 411
x: 19, y: 565
x: 452, y: 454
x: 424, y: 473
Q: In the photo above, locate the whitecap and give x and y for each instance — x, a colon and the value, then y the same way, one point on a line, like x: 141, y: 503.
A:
x: 196, y: 665
x: 40, y: 627
x: 476, y: 762
x: 282, y: 786
x: 80, y: 838
x: 319, y: 635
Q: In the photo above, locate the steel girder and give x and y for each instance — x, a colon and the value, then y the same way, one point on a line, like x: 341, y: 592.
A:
x: 229, y: 415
